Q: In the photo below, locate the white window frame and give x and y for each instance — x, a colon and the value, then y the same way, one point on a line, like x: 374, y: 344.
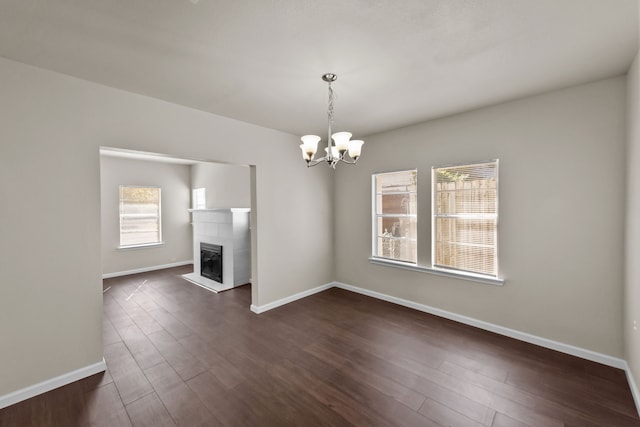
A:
x: 435, y: 215
x: 159, y: 242
x: 428, y: 269
x: 375, y: 216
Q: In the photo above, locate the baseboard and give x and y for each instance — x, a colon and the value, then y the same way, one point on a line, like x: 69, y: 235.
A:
x: 262, y: 308
x: 50, y: 384
x: 512, y: 333
x: 632, y: 386
x: 146, y: 269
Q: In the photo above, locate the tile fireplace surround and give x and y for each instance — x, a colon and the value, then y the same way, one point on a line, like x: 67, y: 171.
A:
x: 228, y: 228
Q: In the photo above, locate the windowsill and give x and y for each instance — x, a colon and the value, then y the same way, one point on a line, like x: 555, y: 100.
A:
x: 146, y: 245
x: 438, y: 271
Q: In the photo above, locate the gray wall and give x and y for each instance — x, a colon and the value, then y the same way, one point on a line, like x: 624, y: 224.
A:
x: 632, y: 265
x: 561, y: 230
x: 175, y: 182
x: 228, y: 186
x: 51, y: 128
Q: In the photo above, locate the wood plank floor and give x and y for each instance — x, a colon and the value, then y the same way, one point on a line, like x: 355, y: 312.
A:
x: 180, y: 355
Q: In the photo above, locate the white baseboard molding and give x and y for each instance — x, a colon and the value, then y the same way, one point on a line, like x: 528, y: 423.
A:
x: 632, y: 386
x: 50, y: 384
x: 146, y: 269
x: 262, y: 308
x: 512, y: 333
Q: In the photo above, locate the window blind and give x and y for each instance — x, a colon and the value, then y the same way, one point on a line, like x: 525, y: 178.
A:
x: 465, y: 217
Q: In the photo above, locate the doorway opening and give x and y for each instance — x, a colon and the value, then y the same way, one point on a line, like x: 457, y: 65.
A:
x: 192, y: 189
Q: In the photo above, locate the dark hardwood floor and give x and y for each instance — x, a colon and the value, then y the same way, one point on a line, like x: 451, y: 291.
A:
x: 180, y: 355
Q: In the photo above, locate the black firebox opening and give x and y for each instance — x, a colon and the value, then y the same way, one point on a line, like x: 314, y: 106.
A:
x: 211, y: 261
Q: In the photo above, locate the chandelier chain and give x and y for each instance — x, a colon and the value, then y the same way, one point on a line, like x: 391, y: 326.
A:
x: 332, y: 98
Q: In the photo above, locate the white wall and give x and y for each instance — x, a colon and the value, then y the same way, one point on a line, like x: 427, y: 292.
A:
x: 562, y: 198
x: 175, y: 182
x: 227, y: 186
x: 632, y: 265
x: 51, y: 128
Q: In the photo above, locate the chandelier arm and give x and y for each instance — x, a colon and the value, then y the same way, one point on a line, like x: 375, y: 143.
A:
x: 316, y: 162
x: 352, y: 162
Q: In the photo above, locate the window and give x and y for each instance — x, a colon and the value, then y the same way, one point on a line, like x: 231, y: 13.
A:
x: 394, y: 216
x: 199, y: 196
x: 139, y: 216
x: 465, y: 218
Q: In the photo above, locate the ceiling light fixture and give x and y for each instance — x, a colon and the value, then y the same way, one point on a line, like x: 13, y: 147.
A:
x: 343, y: 144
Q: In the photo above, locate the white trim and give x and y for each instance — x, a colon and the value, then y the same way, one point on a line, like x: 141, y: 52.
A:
x: 50, y: 384
x: 146, y: 269
x: 512, y: 333
x: 481, y: 278
x: 262, y: 308
x: 632, y: 386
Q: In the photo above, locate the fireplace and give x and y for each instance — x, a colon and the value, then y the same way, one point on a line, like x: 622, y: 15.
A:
x: 211, y: 261
x: 213, y: 230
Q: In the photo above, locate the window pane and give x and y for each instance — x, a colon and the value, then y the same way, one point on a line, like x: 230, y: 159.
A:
x: 457, y: 198
x: 139, y: 230
x: 391, y: 226
x: 398, y: 249
x: 141, y: 195
x: 399, y: 203
x: 199, y: 198
x: 139, y: 215
x: 468, y: 258
x: 394, y: 182
x: 466, y: 231
x: 466, y: 212
x: 395, y: 219
x: 466, y: 189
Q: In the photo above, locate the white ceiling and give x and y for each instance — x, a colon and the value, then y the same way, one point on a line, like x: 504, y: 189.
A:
x: 399, y: 62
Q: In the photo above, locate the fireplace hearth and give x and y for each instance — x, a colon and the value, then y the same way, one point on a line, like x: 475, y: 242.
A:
x: 211, y: 261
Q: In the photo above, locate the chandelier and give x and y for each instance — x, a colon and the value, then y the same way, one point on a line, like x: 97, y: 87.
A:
x: 336, y: 151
